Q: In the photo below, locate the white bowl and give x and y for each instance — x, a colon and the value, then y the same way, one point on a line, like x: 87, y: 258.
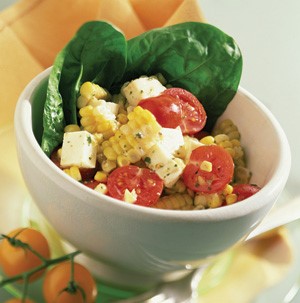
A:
x: 136, y: 245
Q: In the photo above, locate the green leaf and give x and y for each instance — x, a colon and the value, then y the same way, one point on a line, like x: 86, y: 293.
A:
x: 196, y: 56
x: 96, y: 53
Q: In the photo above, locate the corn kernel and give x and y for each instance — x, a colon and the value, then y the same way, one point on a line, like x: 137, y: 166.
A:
x: 82, y: 101
x: 207, y: 140
x: 101, y: 188
x: 87, y: 90
x: 221, y: 137
x: 108, y: 165
x: 73, y: 172
x: 231, y: 198
x: 228, y: 189
x: 100, y: 176
x: 206, y: 166
x: 71, y: 128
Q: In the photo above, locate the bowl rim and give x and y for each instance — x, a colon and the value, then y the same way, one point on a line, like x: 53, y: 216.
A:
x: 272, y: 188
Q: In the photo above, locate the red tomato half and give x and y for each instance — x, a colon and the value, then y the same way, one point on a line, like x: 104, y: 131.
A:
x: 244, y: 191
x: 165, y: 108
x: 147, y: 184
x: 193, y: 113
x: 200, y: 180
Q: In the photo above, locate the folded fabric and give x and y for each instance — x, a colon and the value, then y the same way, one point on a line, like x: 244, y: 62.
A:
x: 33, y: 31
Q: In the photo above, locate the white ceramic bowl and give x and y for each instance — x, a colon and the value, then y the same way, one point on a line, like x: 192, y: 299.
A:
x: 135, y: 245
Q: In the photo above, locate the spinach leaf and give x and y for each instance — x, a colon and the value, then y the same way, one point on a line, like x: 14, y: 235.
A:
x: 53, y: 116
x: 196, y: 56
x: 96, y: 53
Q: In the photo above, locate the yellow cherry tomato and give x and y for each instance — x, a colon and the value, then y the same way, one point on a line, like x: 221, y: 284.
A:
x: 57, y: 279
x: 16, y: 260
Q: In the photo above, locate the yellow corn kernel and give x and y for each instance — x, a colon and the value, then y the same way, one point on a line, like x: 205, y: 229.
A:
x: 71, y: 128
x: 87, y: 89
x: 101, y: 188
x: 122, y: 161
x: 228, y: 189
x: 110, y: 154
x: 220, y: 138
x: 132, y: 139
x: 231, y: 198
x: 175, y: 202
x: 122, y: 118
x: 73, y: 172
x: 82, y: 101
x: 100, y: 176
x: 59, y: 153
x: 86, y: 111
x: 108, y: 165
x: 208, y: 140
x: 214, y: 200
x: 200, y: 201
x: 206, y: 166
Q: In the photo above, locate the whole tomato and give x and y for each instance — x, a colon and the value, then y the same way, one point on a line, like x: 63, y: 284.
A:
x: 15, y: 259
x: 57, y: 279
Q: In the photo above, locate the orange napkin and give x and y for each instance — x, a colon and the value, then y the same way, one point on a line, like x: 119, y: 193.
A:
x: 33, y: 31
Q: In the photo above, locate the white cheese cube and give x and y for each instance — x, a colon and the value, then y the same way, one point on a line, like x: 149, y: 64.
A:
x: 157, y: 157
x: 171, y: 172
x: 190, y: 144
x: 168, y: 168
x: 78, y: 149
x: 142, y: 88
x: 172, y: 139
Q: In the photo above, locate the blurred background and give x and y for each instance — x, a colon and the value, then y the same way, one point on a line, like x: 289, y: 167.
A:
x: 268, y: 33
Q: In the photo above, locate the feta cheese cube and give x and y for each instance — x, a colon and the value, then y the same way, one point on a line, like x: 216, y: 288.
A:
x: 172, y: 139
x: 171, y: 172
x: 142, y: 88
x: 168, y: 168
x: 78, y: 149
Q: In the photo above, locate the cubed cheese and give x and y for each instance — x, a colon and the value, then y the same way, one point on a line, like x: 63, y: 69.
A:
x: 78, y: 149
x: 172, y: 139
x: 142, y: 88
x: 190, y: 144
x: 171, y: 172
x: 164, y: 164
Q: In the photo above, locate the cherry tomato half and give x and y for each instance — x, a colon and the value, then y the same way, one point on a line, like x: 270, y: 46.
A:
x: 244, y: 191
x: 165, y: 108
x: 146, y: 183
x: 199, y: 179
x: 16, y: 260
x: 193, y: 117
x: 57, y: 279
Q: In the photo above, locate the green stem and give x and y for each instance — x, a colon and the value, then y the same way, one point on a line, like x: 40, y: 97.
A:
x: 46, y: 264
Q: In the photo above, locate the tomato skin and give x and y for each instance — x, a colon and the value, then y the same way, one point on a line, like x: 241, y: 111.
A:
x: 203, y: 181
x: 147, y: 184
x: 91, y: 183
x: 244, y: 191
x: 193, y: 113
x: 15, y: 260
x: 57, y: 279
x: 165, y: 108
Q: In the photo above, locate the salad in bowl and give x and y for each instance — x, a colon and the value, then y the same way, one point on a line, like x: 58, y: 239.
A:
x: 118, y: 139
